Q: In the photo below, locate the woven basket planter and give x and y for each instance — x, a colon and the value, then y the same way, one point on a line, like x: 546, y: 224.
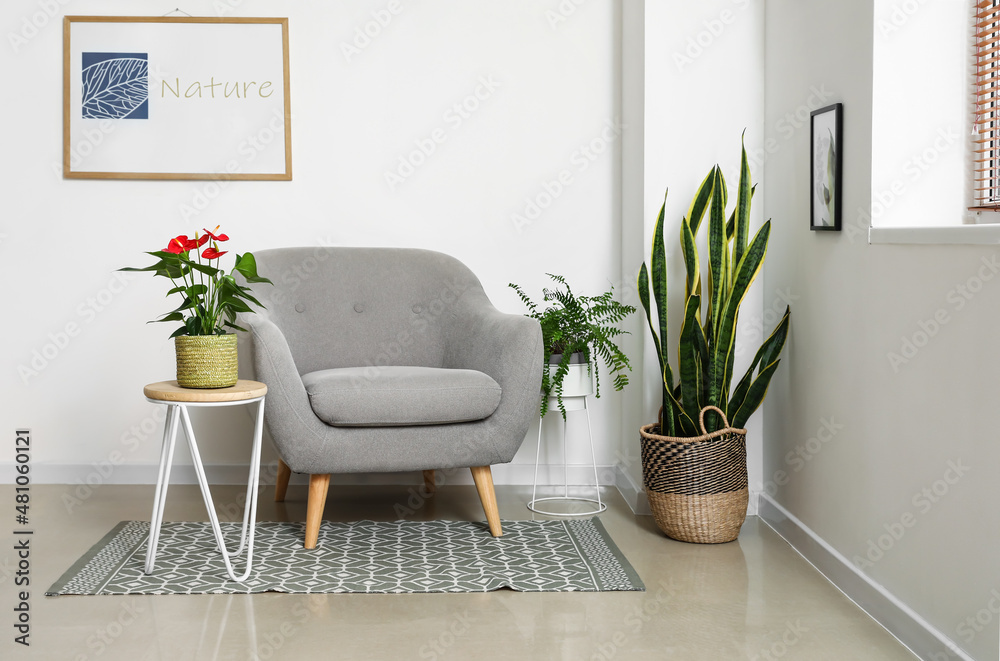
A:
x: 206, y: 361
x: 697, y: 486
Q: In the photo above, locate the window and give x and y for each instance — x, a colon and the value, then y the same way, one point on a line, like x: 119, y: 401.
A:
x: 986, y: 123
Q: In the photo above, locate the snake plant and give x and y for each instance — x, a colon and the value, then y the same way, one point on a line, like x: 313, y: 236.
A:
x: 707, y: 349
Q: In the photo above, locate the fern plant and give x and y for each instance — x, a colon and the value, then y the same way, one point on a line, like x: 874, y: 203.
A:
x: 707, y: 349
x: 578, y: 324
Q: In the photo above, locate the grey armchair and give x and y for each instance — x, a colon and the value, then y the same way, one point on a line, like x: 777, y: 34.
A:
x: 388, y: 359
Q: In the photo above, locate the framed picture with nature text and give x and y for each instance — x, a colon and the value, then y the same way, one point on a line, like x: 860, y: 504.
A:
x: 176, y: 98
x: 826, y: 169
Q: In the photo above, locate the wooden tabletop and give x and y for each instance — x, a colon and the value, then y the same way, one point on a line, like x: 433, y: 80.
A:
x: 169, y: 391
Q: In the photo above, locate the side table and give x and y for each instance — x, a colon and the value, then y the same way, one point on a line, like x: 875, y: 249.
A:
x: 178, y: 400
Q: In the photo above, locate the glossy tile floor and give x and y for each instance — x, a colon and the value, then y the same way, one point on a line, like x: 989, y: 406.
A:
x: 752, y: 599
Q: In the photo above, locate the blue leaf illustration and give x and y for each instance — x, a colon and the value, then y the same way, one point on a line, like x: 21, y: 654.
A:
x: 114, y: 88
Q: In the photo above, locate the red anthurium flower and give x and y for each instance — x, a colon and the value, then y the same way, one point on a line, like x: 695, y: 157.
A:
x: 180, y: 244
x: 212, y: 252
x: 217, y: 237
x: 201, y: 240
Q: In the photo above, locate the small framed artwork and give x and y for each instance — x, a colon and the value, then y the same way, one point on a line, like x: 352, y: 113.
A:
x: 176, y: 98
x: 826, y: 167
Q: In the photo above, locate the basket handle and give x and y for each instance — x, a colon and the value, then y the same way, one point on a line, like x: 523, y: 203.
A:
x: 701, y: 417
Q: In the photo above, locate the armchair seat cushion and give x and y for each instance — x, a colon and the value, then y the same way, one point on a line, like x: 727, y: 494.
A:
x: 400, y: 396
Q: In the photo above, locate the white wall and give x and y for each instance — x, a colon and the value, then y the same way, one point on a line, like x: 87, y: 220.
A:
x: 703, y: 86
x: 555, y: 82
x: 906, y: 398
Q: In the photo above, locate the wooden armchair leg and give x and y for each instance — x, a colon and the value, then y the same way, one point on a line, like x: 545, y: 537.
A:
x: 318, y: 485
x: 429, y: 485
x: 281, y: 484
x: 483, y: 477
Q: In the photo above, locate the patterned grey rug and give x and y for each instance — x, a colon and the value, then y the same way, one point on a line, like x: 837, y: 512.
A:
x: 363, y: 556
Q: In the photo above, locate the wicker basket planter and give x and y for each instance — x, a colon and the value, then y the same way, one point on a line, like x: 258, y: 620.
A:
x: 697, y: 486
x: 206, y: 361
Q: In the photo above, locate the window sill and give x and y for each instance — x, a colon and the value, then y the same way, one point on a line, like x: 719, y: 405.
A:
x: 987, y: 234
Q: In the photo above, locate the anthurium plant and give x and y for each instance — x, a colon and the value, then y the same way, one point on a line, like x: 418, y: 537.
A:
x: 211, y: 297
x: 707, y: 344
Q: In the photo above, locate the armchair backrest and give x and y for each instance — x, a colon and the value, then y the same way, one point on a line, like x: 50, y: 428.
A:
x: 359, y: 307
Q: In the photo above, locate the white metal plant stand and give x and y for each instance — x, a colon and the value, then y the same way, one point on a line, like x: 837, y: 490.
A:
x: 178, y: 400
x: 572, y: 402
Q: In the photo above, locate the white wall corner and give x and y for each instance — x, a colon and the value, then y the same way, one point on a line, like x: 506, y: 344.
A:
x: 633, y: 493
x: 904, y: 623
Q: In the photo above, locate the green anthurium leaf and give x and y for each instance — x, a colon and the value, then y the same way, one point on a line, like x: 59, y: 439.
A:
x: 245, y: 293
x: 227, y: 285
x: 206, y: 269
x: 246, y: 264
x: 180, y: 331
x: 172, y: 316
x: 154, y: 267
x: 193, y: 325
x: 167, y: 256
x: 188, y: 304
x: 173, y: 271
x: 235, y: 305
x: 190, y: 292
x: 234, y: 326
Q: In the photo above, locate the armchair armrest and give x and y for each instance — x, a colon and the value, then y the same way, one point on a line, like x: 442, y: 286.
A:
x: 507, y: 347
x: 288, y: 413
x: 488, y: 340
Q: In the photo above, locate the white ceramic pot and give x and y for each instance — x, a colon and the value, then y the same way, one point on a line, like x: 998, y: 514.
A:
x: 579, y: 382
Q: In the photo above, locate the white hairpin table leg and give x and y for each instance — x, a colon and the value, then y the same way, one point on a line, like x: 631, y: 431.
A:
x: 162, y: 482
x: 250, y: 509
